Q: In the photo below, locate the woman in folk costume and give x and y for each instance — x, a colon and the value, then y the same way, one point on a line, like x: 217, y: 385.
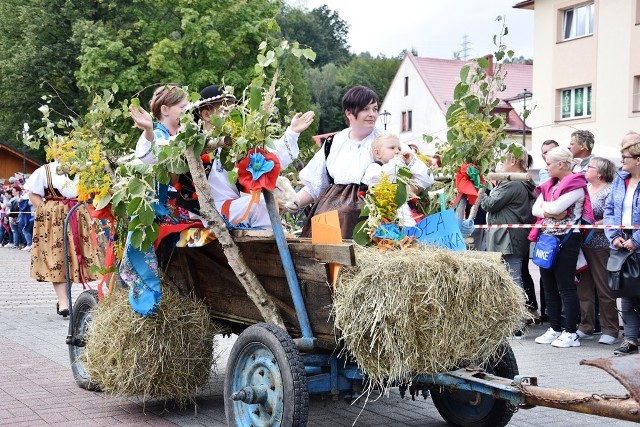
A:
x: 332, y: 177
x: 238, y: 208
x: 159, y: 127
x: 53, y: 194
x: 563, y: 200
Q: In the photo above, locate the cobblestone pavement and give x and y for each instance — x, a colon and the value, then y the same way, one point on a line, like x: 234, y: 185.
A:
x: 37, y: 386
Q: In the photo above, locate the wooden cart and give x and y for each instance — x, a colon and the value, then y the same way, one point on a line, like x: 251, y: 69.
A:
x: 271, y: 371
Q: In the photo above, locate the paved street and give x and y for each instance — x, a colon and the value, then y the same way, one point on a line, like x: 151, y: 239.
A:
x: 37, y: 386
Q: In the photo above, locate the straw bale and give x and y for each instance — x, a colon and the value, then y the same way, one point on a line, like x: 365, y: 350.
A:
x: 168, y: 355
x: 428, y: 310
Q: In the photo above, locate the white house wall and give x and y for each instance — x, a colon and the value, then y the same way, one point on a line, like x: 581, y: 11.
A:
x: 427, y: 117
x: 607, y: 60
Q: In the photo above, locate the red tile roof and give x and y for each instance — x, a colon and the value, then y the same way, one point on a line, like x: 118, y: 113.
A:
x: 442, y: 75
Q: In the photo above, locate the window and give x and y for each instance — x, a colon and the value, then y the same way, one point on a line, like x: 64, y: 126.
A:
x: 578, y: 22
x: 575, y: 103
x: 406, y: 86
x: 406, y: 121
x: 636, y: 94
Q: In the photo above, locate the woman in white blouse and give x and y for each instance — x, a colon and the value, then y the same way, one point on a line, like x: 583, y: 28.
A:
x: 332, y: 177
x: 53, y: 195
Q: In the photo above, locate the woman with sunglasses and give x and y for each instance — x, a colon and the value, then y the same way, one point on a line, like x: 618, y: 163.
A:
x: 623, y: 208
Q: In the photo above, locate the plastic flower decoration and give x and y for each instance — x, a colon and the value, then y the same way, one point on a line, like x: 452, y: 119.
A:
x: 258, y: 170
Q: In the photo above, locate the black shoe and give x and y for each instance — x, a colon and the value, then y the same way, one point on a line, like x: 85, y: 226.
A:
x: 63, y: 313
x: 626, y: 348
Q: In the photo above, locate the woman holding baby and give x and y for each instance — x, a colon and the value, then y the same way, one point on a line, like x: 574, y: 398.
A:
x: 332, y: 177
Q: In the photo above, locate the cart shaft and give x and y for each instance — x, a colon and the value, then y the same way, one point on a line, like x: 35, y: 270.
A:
x: 617, y: 407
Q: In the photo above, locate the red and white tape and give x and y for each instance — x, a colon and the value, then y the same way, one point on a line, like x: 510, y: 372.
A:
x: 561, y: 226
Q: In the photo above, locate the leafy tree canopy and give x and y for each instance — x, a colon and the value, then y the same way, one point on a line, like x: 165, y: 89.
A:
x: 72, y: 49
x: 322, y: 29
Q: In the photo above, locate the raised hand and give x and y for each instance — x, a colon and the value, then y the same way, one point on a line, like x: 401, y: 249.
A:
x: 407, y: 156
x: 141, y: 118
x: 301, y: 122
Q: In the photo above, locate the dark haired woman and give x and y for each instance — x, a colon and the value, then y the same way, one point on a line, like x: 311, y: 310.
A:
x: 332, y: 177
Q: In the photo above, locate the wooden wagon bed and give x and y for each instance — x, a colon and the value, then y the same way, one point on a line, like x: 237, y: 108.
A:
x: 204, y: 272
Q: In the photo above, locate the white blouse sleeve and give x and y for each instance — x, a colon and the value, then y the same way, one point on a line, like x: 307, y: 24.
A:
x: 420, y: 173
x: 37, y: 182
x: 145, y: 148
x: 286, y: 147
x: 372, y: 175
x: 314, y: 176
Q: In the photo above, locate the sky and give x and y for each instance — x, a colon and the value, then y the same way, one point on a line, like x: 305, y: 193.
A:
x: 434, y: 28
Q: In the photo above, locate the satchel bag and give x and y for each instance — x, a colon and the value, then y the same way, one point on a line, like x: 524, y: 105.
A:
x: 624, y: 273
x: 546, y: 249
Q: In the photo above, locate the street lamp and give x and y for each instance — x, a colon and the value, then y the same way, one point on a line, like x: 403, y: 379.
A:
x: 25, y: 134
x: 524, y: 96
x: 386, y: 116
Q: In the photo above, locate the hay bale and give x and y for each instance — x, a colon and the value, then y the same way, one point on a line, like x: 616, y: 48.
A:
x: 168, y: 355
x: 429, y: 310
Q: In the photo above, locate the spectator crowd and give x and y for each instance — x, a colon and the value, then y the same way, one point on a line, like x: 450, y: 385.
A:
x: 16, y: 214
x: 574, y: 188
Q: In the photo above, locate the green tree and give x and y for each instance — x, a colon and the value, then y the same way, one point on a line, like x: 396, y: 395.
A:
x: 321, y: 29
x: 328, y: 84
x: 36, y: 58
x: 190, y: 42
x: 366, y: 70
x: 519, y: 60
x: 72, y: 48
x: 299, y: 101
x: 326, y: 95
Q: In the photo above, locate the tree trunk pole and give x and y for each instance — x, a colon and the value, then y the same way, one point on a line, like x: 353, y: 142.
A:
x: 255, y: 291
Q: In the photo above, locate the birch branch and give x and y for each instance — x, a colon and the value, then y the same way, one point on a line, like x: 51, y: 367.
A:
x: 248, y: 279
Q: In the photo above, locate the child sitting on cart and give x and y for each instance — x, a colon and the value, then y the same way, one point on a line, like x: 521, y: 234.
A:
x: 389, y: 156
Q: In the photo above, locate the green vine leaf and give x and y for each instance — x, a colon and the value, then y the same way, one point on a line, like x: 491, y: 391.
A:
x: 360, y: 235
x: 133, y: 206
x: 136, y: 186
x: 401, y: 193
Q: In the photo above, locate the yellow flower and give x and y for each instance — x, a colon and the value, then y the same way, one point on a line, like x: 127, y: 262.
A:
x: 385, y: 195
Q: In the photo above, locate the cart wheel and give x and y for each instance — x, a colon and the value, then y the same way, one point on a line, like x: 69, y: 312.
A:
x: 265, y: 383
x: 471, y: 409
x: 81, y: 319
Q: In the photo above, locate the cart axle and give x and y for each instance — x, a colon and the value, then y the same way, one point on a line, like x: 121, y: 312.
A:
x: 251, y: 394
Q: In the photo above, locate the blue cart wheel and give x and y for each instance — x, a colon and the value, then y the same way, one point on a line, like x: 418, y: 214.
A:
x: 471, y: 409
x: 81, y: 319
x: 265, y: 383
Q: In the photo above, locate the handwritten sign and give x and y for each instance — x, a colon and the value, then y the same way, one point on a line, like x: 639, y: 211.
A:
x: 440, y: 229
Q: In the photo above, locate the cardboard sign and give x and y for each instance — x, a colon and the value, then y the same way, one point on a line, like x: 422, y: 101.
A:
x: 325, y: 228
x: 440, y: 229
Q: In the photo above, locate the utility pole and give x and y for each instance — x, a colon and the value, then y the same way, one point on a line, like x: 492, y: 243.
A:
x: 464, y: 52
